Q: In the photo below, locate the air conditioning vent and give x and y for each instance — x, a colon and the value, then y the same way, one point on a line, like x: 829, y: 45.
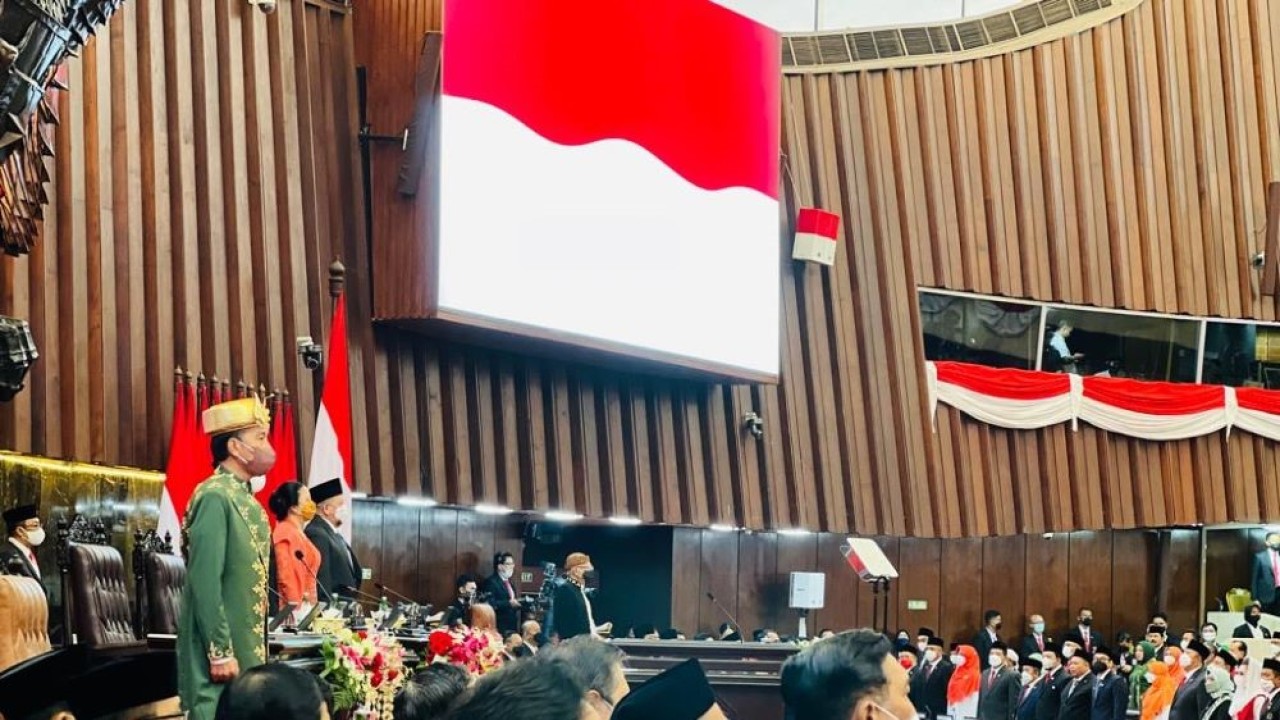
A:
x: 1056, y: 11
x: 916, y: 41
x: 1000, y: 28
x: 864, y: 45
x: 833, y: 50
x: 971, y: 34
x: 805, y: 50
x: 1028, y: 19
x: 889, y: 44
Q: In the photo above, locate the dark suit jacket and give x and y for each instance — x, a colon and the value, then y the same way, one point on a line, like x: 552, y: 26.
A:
x: 570, y: 611
x: 1264, y: 580
x: 999, y: 700
x: 1272, y: 711
x: 1110, y: 698
x: 1051, y: 694
x: 1243, y: 632
x: 12, y: 559
x: 982, y: 642
x: 1028, y: 704
x: 1029, y: 646
x: 339, y: 572
x: 1190, y: 701
x: 929, y: 688
x: 1076, y: 636
x: 500, y: 599
x: 1077, y: 704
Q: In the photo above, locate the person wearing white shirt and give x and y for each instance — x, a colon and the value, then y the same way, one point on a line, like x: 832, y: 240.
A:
x: 1058, y: 343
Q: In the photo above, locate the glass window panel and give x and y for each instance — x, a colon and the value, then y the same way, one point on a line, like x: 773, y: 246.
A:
x: 1092, y: 342
x: 1242, y: 355
x: 980, y: 331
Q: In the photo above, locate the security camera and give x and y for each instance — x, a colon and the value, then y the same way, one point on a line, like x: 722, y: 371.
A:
x: 1258, y: 260
x: 266, y: 6
x: 754, y: 424
x: 311, y: 352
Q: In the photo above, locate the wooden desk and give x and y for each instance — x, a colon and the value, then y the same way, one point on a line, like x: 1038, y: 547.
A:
x: 744, y: 676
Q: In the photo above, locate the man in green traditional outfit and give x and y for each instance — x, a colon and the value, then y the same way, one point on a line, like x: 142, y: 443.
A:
x: 226, y: 541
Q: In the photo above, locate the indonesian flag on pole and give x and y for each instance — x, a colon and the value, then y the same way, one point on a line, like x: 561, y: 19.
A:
x: 816, y: 233
x: 331, y: 449
x: 182, y: 474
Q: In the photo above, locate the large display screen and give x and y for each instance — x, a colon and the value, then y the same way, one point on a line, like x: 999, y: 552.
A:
x: 609, y: 176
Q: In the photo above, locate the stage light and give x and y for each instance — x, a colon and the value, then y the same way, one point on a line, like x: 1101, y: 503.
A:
x: 487, y: 509
x: 416, y: 502
x: 794, y: 531
x: 625, y: 521
x: 720, y: 527
x: 17, y: 353
x: 562, y: 516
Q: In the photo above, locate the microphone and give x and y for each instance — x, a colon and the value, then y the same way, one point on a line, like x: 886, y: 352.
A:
x: 298, y: 554
x: 386, y: 589
x: 733, y: 622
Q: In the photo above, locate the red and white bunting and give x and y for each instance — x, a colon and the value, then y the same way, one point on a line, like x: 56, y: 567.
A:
x: 816, y: 236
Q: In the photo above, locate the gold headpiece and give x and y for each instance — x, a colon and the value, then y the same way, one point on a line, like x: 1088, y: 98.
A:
x: 236, y: 415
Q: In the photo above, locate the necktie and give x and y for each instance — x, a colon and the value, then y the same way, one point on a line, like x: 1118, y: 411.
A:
x: 1086, y: 640
x: 1040, y: 642
x: 1072, y: 687
x: 1025, y: 692
x: 928, y: 670
x: 992, y: 680
x: 511, y: 593
x: 1275, y: 567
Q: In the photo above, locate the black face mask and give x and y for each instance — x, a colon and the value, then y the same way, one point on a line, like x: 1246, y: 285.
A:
x: 1252, y: 619
x: 1099, y: 667
x: 1087, y: 622
x: 590, y: 577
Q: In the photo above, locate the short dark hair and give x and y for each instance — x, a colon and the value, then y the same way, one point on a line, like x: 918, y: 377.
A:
x: 645, y: 629
x: 463, y: 579
x: 591, y: 661
x: 274, y: 691
x: 1210, y: 625
x: 990, y: 615
x: 429, y: 692
x: 218, y: 446
x: 1162, y: 615
x: 501, y: 557
x: 541, y: 690
x: 825, y: 680
x: 1244, y: 647
x: 284, y: 498
x: 668, y: 634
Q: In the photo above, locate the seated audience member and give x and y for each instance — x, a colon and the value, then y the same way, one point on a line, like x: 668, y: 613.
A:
x: 274, y: 691
x: 770, y: 636
x: 852, y: 676
x: 671, y: 634
x: 529, y: 690
x: 482, y: 619
x: 681, y: 692
x: 515, y: 649
x: 729, y: 633
x: 429, y: 692
x: 597, y: 666
x: 531, y: 633
x: 458, y: 612
x: 647, y: 631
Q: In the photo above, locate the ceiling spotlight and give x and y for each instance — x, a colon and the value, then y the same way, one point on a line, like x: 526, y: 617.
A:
x: 487, y: 509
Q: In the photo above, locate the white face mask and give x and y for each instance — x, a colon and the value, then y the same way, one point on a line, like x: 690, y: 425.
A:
x: 1185, y: 661
x: 922, y: 645
x: 1027, y: 679
x: 1209, y: 636
x: 1050, y: 665
x: 995, y: 661
x: 957, y: 660
x: 930, y: 656
x: 505, y: 573
x: 1068, y: 652
x: 885, y: 710
x: 1151, y: 677
x: 1037, y: 628
x: 1268, y: 686
x: 35, y: 538
x: 1184, y: 644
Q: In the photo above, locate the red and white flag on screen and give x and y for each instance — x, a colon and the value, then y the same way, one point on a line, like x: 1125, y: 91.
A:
x: 331, y: 448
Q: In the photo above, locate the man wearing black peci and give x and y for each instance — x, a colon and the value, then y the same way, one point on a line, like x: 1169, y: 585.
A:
x: 502, y: 594
x: 18, y: 551
x: 339, y: 572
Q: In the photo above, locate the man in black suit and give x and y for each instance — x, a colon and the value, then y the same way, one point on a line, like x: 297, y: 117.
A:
x: 987, y: 636
x: 25, y: 534
x: 998, y: 687
x: 930, y: 679
x: 1053, y: 682
x: 1191, y: 699
x: 339, y: 573
x: 1251, y: 628
x: 1110, y: 690
x: 1077, y: 695
x: 459, y: 611
x: 1032, y: 689
x: 571, y: 607
x: 1083, y: 633
x: 1035, y: 640
x: 502, y: 595
x: 1266, y: 574
x: 1266, y: 706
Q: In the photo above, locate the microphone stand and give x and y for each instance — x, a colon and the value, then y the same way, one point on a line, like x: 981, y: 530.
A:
x: 386, y: 589
x: 733, y: 622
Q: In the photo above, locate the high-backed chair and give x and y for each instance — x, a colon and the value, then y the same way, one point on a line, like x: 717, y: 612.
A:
x: 95, y: 583
x: 159, y: 576
x: 24, y: 620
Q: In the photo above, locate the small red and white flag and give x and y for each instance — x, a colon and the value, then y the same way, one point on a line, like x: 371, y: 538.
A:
x: 331, y: 448
x: 182, y: 474
x: 816, y: 233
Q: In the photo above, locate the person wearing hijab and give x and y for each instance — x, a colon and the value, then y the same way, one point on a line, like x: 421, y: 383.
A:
x: 1217, y: 682
x: 962, y: 690
x: 1143, y: 653
x: 1158, y: 698
x: 1251, y: 628
x: 1173, y: 661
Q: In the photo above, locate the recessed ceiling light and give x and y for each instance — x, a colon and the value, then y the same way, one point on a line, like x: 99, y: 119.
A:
x: 487, y: 509
x: 628, y: 521
x: 416, y: 502
x: 721, y: 527
x: 794, y: 531
x: 562, y: 516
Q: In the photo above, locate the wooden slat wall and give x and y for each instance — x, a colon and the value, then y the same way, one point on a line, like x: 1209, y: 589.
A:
x: 204, y: 183
x: 1112, y: 572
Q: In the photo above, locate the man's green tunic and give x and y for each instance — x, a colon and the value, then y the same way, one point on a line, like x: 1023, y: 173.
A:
x: 225, y: 538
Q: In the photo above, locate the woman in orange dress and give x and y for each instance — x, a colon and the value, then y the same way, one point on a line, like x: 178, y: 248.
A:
x: 295, y: 579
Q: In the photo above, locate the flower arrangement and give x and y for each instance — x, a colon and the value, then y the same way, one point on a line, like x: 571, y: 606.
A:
x: 475, y: 652
x: 365, y: 671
